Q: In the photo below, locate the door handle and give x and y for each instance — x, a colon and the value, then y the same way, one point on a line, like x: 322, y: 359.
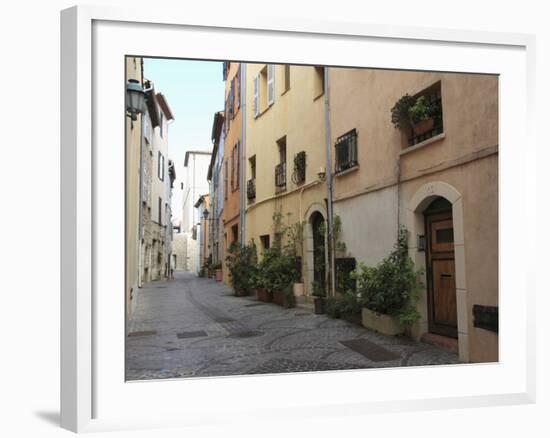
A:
x: 446, y: 275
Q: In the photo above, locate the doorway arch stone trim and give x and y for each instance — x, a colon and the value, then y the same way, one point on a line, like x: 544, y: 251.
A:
x: 308, y: 243
x: 416, y: 206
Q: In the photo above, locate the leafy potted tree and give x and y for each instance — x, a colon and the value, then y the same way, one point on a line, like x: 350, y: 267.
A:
x: 389, y: 291
x: 242, y: 265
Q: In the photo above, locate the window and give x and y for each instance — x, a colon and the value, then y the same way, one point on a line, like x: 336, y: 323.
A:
x: 318, y: 81
x: 160, y: 167
x: 264, y: 239
x: 233, y: 169
x: 299, y: 174
x: 234, y: 233
x: 280, y: 169
x: 434, y: 125
x: 270, y: 84
x: 237, y: 166
x: 264, y: 89
x: 252, y: 162
x: 225, y: 177
x: 251, y: 183
x: 346, y: 151
x: 160, y: 211
x: 238, y: 93
x: 286, y: 78
x: 161, y: 124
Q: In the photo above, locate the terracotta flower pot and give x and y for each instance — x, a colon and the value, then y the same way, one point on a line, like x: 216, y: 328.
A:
x: 319, y: 303
x: 263, y: 295
x: 423, y: 126
x: 278, y: 297
x: 219, y: 275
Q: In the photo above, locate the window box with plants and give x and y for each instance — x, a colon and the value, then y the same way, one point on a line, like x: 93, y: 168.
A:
x: 389, y: 291
x: 419, y: 114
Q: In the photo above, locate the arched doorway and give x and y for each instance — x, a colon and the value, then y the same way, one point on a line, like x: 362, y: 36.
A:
x: 319, y: 270
x: 440, y: 268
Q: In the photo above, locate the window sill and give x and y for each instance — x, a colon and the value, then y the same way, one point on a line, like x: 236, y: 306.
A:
x: 347, y: 171
x: 262, y: 112
x: 318, y: 96
x: 423, y: 144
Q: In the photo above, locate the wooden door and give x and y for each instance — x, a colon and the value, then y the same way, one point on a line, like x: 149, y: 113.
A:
x: 440, y: 262
x: 317, y: 223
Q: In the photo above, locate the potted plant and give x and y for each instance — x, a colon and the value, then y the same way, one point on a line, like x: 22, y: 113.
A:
x: 421, y: 114
x: 389, y: 291
x: 218, y: 270
x: 242, y: 265
x: 319, y: 293
x: 416, y: 113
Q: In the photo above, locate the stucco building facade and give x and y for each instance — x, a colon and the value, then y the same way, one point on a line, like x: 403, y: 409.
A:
x: 285, y: 144
x: 441, y: 186
x: 134, y: 70
x: 231, y: 167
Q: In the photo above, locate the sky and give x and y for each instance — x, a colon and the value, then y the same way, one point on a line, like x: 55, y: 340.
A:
x: 194, y: 91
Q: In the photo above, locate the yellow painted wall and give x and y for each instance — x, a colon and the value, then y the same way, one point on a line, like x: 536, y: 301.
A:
x: 133, y: 139
x: 298, y: 114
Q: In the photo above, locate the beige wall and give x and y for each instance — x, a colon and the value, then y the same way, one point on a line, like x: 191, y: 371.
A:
x: 298, y: 114
x: 133, y: 139
x: 392, y: 176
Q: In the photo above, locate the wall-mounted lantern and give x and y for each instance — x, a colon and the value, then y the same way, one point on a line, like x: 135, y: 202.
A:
x: 135, y: 99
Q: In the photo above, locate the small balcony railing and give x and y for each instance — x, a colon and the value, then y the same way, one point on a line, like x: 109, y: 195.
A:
x: 251, y: 188
x: 280, y: 176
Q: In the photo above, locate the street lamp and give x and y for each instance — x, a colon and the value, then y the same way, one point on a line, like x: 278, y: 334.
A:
x: 135, y: 99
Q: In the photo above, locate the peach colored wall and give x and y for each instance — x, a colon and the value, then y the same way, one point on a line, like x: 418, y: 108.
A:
x: 231, y: 202
x: 390, y: 173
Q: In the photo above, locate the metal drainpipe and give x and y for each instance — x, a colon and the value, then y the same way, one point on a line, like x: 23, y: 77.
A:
x: 242, y: 151
x: 328, y: 173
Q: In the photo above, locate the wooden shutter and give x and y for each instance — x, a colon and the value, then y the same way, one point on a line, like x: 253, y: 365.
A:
x: 239, y: 87
x: 256, y: 95
x: 270, y: 84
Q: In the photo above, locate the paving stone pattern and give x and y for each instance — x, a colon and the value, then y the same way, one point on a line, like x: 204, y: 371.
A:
x: 195, y: 327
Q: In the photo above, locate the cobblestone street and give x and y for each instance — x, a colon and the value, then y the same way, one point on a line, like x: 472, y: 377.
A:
x: 192, y: 327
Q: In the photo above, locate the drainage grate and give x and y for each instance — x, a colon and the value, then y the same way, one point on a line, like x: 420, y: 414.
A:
x: 142, y: 333
x: 223, y: 319
x: 187, y: 335
x: 253, y: 304
x: 302, y: 314
x: 370, y: 350
x: 246, y: 334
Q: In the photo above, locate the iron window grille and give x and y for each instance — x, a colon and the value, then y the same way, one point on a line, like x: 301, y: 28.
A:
x: 299, y: 174
x: 280, y: 175
x: 346, y: 151
x: 251, y: 188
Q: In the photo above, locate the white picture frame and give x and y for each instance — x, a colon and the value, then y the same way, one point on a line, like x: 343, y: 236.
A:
x: 93, y: 398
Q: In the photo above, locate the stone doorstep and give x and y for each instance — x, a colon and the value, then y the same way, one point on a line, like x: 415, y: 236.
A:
x: 450, y: 344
